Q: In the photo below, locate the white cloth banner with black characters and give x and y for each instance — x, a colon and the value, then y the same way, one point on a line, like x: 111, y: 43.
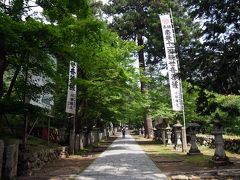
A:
x: 72, y: 89
x: 172, y: 62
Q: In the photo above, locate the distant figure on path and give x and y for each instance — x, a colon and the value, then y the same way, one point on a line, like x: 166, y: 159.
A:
x: 123, y: 132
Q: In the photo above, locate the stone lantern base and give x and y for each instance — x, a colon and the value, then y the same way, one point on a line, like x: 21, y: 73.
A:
x: 221, y: 161
x: 194, y: 152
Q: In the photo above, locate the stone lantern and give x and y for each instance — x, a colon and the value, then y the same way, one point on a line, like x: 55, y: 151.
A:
x: 219, y: 157
x: 163, y: 135
x: 169, y: 135
x: 193, y: 128
x: 178, y: 129
x: 155, y: 134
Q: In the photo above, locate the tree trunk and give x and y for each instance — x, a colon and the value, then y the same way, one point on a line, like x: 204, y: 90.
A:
x: 148, y: 125
x: 24, y: 137
x: 147, y: 118
x: 13, y: 81
x: 26, y: 109
x: 141, y: 61
x: 3, y: 66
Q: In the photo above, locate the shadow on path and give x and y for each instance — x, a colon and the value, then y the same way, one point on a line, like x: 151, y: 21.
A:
x: 124, y: 159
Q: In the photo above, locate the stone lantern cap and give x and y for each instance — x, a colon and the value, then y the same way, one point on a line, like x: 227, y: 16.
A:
x: 168, y: 127
x: 178, y: 125
x: 194, y: 125
x: 218, y: 127
x: 216, y: 121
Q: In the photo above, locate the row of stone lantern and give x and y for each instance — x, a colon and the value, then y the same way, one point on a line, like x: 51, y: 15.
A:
x: 168, y: 131
x: 177, y: 130
x: 177, y: 133
x: 219, y: 157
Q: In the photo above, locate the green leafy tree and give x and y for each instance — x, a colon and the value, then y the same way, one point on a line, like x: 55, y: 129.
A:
x: 229, y: 110
x: 28, y: 47
x: 214, y: 64
x: 139, y: 21
x: 105, y: 77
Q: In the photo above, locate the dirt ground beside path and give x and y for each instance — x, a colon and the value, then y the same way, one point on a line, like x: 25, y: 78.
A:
x: 175, y: 164
x: 62, y: 168
x: 67, y: 168
x: 178, y: 165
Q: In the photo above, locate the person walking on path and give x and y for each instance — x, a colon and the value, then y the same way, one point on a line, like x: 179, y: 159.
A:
x: 123, y: 132
x: 123, y: 160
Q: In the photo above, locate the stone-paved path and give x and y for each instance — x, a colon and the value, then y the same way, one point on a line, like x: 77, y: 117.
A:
x: 123, y: 160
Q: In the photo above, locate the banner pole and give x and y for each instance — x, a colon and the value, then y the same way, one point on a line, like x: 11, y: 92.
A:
x: 71, y: 103
x: 74, y: 134
x: 184, y: 134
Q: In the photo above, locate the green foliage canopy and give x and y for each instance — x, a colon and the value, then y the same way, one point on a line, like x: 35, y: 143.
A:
x: 214, y: 64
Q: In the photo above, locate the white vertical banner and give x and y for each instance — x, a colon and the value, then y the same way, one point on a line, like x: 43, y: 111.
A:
x: 172, y: 62
x: 44, y: 99
x: 72, y: 89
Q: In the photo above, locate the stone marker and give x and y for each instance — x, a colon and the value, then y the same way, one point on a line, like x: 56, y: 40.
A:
x: 157, y: 134
x: 163, y: 132
x: 104, y: 133
x: 1, y: 156
x: 100, y: 136
x: 71, y: 142
x: 115, y: 131
x: 92, y: 140
x: 11, y: 159
x: 63, y: 152
x: 179, y: 177
x: 77, y: 143
x: 96, y: 137
x: 89, y: 138
x: 81, y: 141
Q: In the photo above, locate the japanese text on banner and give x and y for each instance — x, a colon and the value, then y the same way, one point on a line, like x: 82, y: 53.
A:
x: 72, y: 89
x: 172, y: 62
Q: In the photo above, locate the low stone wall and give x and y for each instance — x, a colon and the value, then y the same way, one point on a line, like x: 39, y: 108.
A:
x: 28, y: 162
x: 1, y: 156
x: 232, y: 145
x: 82, y: 140
x: 206, y: 140
x: 14, y: 162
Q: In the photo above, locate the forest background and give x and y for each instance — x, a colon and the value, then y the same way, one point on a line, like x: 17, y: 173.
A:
x: 109, y: 87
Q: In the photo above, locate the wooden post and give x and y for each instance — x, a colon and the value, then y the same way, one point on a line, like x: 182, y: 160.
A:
x: 24, y: 140
x: 48, y: 131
